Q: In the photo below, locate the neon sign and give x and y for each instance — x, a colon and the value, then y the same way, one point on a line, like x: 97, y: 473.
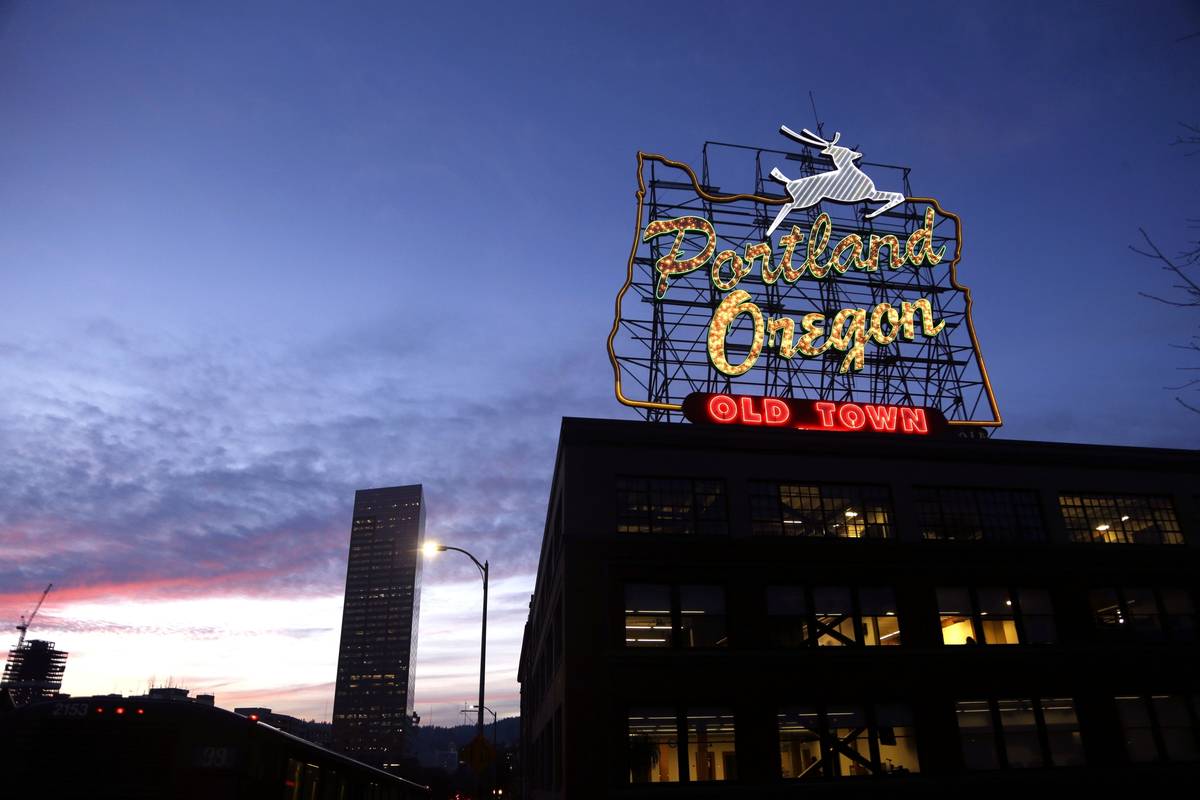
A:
x: 813, y: 415
x: 815, y: 284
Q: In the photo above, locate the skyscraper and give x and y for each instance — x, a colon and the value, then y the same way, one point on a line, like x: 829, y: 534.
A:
x: 373, y: 697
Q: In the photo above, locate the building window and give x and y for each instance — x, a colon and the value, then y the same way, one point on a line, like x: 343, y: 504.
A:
x: 653, y: 746
x: 979, y: 515
x: 841, y: 741
x: 1018, y: 733
x: 710, y: 745
x: 1159, y: 728
x: 832, y: 616
x: 1120, y: 518
x: 663, y: 615
x: 648, y: 615
x: 671, y: 506
x: 995, y: 615
x: 707, y: 735
x: 789, y: 509
x: 1144, y: 613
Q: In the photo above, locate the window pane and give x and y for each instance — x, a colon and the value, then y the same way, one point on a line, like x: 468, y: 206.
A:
x: 1141, y: 611
x: 996, y: 613
x: 1020, y: 733
x: 633, y: 505
x: 1175, y: 724
x: 897, y: 740
x: 977, y: 735
x: 1038, y: 616
x: 1181, y: 614
x: 881, y: 626
x: 975, y: 514
x: 1106, y: 608
x: 653, y: 751
x: 787, y: 616
x: 1122, y: 519
x: 709, y: 501
x: 1062, y: 731
x: 849, y: 741
x: 954, y: 606
x: 702, y: 616
x: 1135, y: 725
x: 834, y: 614
x: 671, y: 506
x: 710, y: 745
x: 647, y: 615
x: 800, y: 743
x: 821, y: 510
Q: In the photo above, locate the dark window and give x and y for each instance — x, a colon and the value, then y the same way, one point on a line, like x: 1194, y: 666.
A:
x: 841, y: 741
x: 663, y: 615
x: 995, y: 615
x: 1159, y: 728
x: 1018, y: 733
x: 1144, y: 613
x: 832, y: 616
x: 979, y: 514
x: 1120, y: 518
x: 671, y: 506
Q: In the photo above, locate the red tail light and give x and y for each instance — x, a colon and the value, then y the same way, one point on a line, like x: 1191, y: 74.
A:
x: 141, y: 711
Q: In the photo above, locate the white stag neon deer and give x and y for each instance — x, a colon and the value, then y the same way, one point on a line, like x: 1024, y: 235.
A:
x: 845, y: 184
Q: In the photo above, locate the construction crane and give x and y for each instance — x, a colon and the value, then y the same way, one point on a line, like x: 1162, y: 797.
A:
x: 25, y: 623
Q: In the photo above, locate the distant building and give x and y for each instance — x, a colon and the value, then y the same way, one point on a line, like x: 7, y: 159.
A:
x: 34, y: 672
x: 373, y: 696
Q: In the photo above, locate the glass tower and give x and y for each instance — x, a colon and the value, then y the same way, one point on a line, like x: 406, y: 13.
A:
x: 373, y: 697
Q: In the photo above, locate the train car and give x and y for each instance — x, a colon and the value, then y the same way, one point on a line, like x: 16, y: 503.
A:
x: 138, y: 747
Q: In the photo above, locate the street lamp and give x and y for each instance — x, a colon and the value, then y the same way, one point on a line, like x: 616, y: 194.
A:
x: 431, y: 549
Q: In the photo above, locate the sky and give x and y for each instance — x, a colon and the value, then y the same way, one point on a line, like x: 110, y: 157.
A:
x: 256, y: 256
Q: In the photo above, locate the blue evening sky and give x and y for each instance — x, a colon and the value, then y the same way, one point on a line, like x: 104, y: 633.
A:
x: 256, y: 255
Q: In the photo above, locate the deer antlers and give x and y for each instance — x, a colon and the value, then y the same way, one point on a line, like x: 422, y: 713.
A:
x: 809, y: 138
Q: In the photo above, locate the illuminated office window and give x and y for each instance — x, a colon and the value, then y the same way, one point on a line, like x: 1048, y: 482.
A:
x: 880, y: 624
x: 821, y: 510
x: 710, y: 745
x: 842, y: 741
x: 800, y: 743
x: 953, y: 514
x: 653, y: 744
x: 1120, y: 519
x: 833, y: 612
x: 958, y: 623
x: 671, y: 506
x: 648, y: 615
x: 662, y: 615
x: 997, y: 617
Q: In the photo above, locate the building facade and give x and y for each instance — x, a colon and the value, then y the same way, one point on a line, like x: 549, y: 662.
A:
x: 373, y: 695
x: 34, y: 671
x: 753, y: 612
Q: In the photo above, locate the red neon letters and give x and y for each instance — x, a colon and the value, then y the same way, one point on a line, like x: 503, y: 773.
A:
x: 812, y: 415
x: 723, y: 408
x: 853, y: 417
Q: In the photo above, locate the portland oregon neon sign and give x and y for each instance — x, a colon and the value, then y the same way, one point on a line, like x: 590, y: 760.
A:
x: 816, y: 287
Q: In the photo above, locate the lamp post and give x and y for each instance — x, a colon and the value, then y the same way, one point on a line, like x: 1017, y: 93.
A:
x: 432, y: 548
